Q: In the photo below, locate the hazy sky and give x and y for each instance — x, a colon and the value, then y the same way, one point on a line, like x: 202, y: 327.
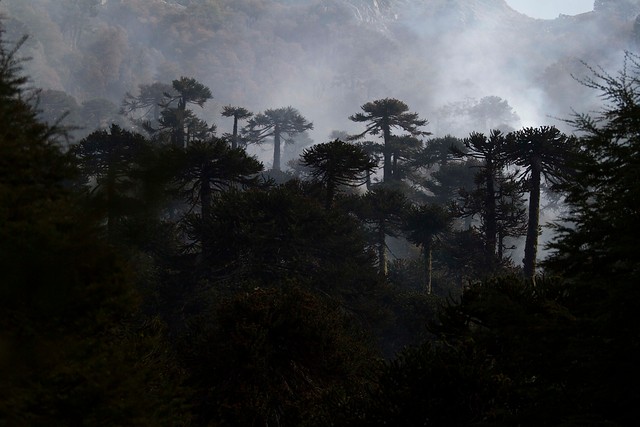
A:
x: 549, y: 9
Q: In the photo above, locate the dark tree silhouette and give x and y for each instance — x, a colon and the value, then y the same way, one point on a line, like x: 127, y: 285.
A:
x: 337, y: 163
x: 145, y: 108
x: 496, y: 198
x: 540, y: 152
x: 238, y: 113
x: 423, y: 225
x: 111, y: 160
x: 383, y: 210
x: 382, y: 116
x: 66, y: 298
x: 281, y: 124
x: 208, y: 166
x: 175, y: 115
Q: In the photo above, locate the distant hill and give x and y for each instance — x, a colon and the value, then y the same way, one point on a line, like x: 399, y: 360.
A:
x: 325, y: 57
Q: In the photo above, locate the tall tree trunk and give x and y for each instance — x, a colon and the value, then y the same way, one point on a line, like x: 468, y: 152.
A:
x: 388, y: 154
x: 331, y: 191
x: 490, y: 220
x: 382, y: 251
x: 205, y: 208
x: 111, y: 191
x: 531, y: 244
x: 179, y: 131
x: 234, y: 138
x: 428, y: 252
x: 394, y: 167
x: 205, y: 198
x: 276, y: 148
x: 500, y: 246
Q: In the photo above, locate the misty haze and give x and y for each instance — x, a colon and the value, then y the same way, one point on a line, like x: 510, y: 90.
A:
x: 318, y: 212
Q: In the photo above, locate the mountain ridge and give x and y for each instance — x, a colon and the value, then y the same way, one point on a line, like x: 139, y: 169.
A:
x: 323, y: 56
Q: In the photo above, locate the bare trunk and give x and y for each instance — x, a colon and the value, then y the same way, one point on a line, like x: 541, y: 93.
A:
x: 490, y: 220
x: 234, y: 138
x: 428, y: 252
x: 531, y: 244
x: 382, y: 251
x: 111, y: 191
x: 387, y: 153
x: 205, y: 209
x: 331, y: 190
x: 276, y: 149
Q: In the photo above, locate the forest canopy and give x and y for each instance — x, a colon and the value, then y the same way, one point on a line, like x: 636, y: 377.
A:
x: 156, y: 272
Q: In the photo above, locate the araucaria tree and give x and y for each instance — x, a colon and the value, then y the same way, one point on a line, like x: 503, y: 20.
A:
x: 145, y: 108
x: 497, y: 198
x: 423, y: 226
x: 211, y: 166
x: 175, y: 115
x: 110, y: 160
x: 238, y: 113
x: 541, y: 153
x: 382, y: 116
x: 337, y: 163
x: 283, y: 124
x: 383, y: 210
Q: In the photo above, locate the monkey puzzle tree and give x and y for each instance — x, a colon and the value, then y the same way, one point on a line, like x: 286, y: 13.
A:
x: 67, y: 301
x: 383, y: 210
x: 541, y: 153
x: 382, y: 116
x: 238, y: 113
x: 110, y: 158
x: 175, y: 114
x: 145, y: 108
x: 492, y: 189
x: 281, y: 124
x: 423, y: 225
x: 208, y: 166
x: 337, y: 163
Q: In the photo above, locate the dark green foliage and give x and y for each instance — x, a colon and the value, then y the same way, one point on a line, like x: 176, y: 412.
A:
x: 68, y: 355
x: 446, y: 183
x: 275, y: 356
x: 428, y: 385
x: 280, y: 123
x: 424, y: 225
x: 274, y: 235
x: 210, y: 166
x: 112, y: 165
x: 497, y: 199
x: 336, y: 164
x: 596, y: 249
x: 273, y: 306
x: 509, y: 353
x: 145, y: 108
x: 542, y: 152
x: 382, y: 210
x: 382, y: 116
x: 180, y: 123
x: 238, y: 113
x: 437, y: 151
x: 600, y: 235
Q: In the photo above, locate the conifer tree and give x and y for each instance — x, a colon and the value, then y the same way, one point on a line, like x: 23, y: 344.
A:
x: 238, y: 113
x: 382, y: 116
x: 541, y: 153
x: 281, y: 124
x: 337, y: 163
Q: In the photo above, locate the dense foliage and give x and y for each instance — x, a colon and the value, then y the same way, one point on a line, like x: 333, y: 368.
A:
x: 158, y: 275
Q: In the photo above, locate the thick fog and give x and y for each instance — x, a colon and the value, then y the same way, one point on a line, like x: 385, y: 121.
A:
x: 325, y: 57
